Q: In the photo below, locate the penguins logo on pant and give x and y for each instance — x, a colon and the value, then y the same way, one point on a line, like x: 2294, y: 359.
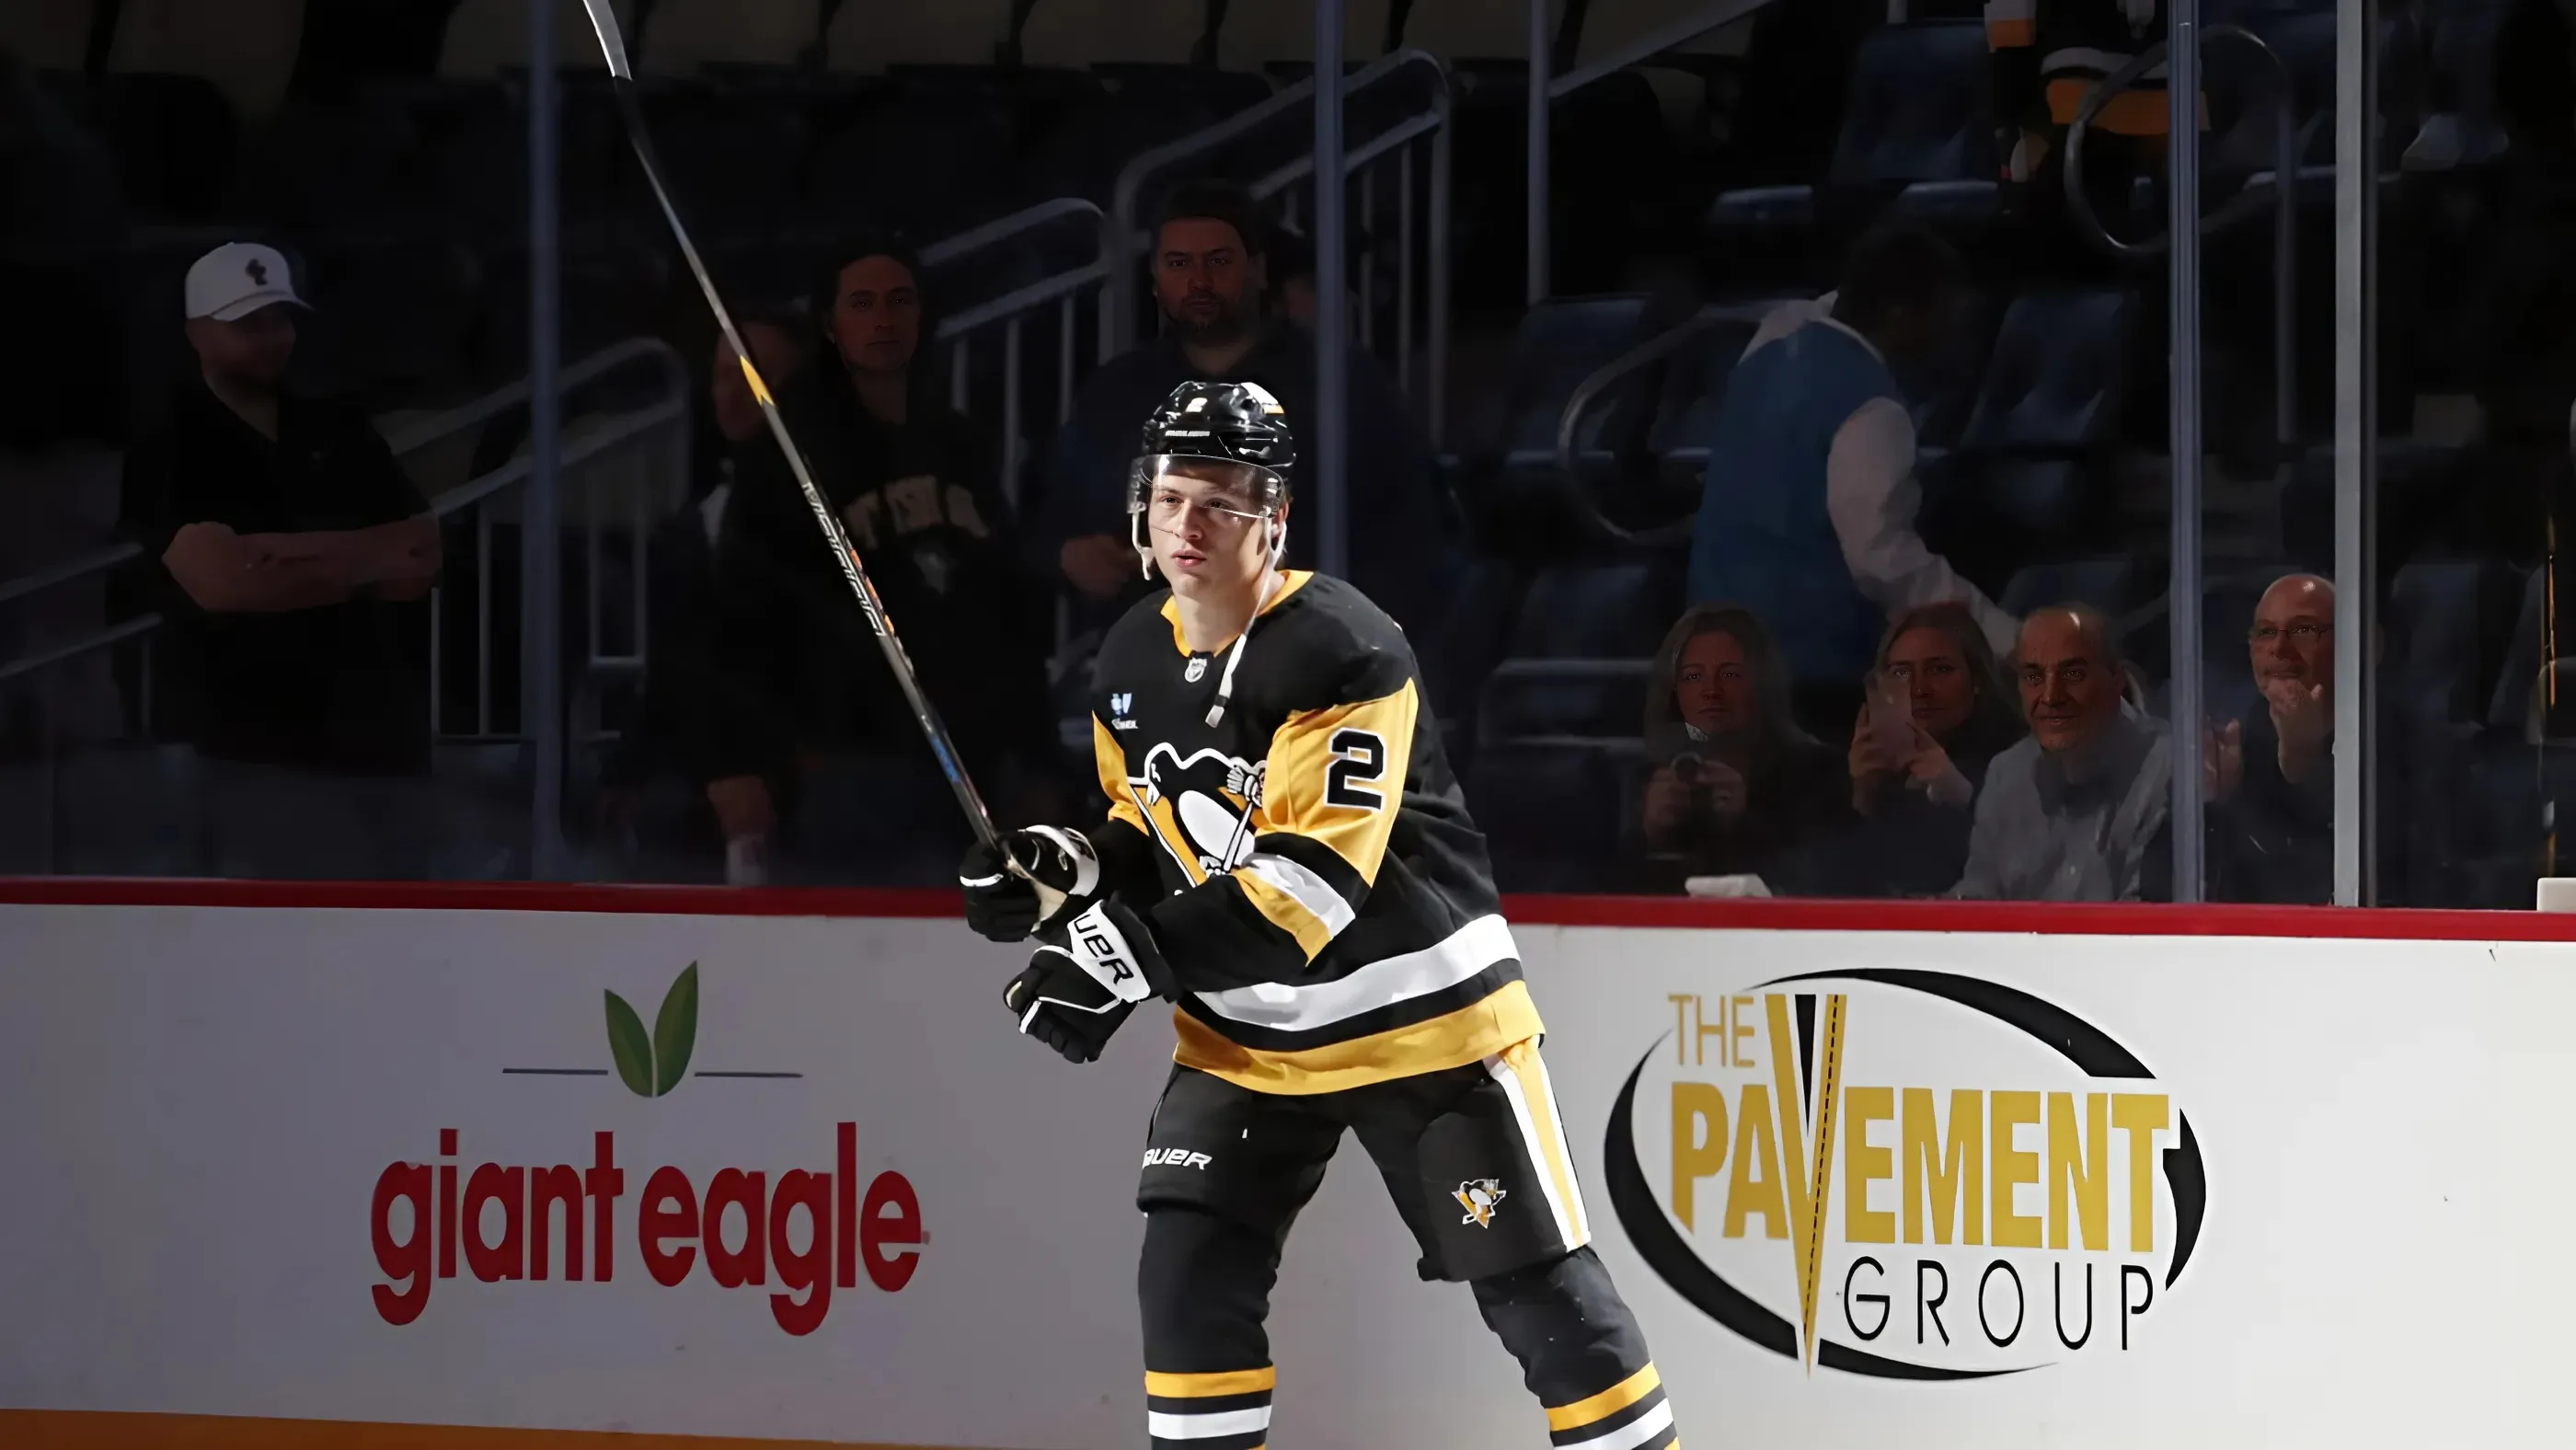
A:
x: 1482, y: 1198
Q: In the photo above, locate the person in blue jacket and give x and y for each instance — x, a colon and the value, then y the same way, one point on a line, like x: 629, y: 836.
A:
x: 1807, y: 513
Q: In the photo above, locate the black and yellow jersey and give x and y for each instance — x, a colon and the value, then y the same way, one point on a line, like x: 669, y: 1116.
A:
x: 1324, y: 901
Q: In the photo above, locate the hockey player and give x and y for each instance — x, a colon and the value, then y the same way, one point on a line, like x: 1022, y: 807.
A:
x: 1288, y: 860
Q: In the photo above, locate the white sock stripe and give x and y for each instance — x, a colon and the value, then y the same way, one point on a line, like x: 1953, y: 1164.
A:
x: 1631, y: 1435
x: 1556, y: 1119
x: 1501, y: 1072
x: 1208, y: 1427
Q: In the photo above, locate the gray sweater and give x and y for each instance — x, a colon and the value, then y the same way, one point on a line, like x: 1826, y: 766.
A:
x: 2083, y: 827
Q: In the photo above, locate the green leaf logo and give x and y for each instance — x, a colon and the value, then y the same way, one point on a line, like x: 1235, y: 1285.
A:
x: 675, y: 1031
x: 652, y: 1066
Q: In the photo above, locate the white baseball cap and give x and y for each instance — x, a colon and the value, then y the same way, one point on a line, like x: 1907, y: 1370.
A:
x: 237, y: 279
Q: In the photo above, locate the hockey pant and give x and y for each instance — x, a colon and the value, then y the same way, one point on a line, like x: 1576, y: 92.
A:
x: 1476, y: 1162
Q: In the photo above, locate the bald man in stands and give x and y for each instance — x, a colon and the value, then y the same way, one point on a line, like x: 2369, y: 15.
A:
x: 2270, y: 780
x: 2078, y: 810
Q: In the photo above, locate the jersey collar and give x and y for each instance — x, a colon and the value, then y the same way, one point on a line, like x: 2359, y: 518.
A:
x: 1290, y: 581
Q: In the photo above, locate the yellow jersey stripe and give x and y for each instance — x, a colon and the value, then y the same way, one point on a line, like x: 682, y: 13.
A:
x: 1206, y: 1386
x: 1607, y: 1403
x: 1336, y: 776
x: 1452, y: 1039
x: 1110, y: 762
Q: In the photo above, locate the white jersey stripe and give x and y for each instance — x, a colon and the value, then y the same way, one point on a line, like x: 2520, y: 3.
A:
x: 1207, y: 1427
x: 1556, y: 1121
x: 1633, y: 1434
x: 1305, y: 888
x: 1468, y: 950
x: 1501, y: 1072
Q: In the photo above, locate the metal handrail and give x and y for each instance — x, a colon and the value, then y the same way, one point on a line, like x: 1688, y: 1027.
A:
x: 113, y: 634
x: 974, y: 239
x: 1120, y: 228
x: 1671, y: 37
x: 491, y: 405
x: 1023, y: 299
x: 1607, y: 376
x: 2247, y: 204
x: 96, y: 561
x: 628, y: 426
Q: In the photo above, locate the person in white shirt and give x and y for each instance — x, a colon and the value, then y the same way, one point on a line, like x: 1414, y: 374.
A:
x: 1809, y: 507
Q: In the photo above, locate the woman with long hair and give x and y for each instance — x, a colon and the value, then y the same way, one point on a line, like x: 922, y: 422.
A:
x: 915, y: 485
x: 1734, y: 786
x: 1938, y: 712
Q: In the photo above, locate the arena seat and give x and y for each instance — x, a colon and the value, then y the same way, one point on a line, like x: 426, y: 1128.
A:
x: 487, y: 38
x: 1693, y: 393
x: 737, y: 168
x: 2058, y: 375
x: 682, y: 36
x: 926, y: 161
x: 395, y: 320
x: 2464, y: 124
x: 2447, y: 623
x: 1085, y: 32
x: 1463, y: 29
x: 2110, y: 585
x: 176, y: 139
x: 2024, y: 482
x: 48, y: 35
x: 1504, y: 473
x: 1279, y: 35
x: 867, y: 38
x: 1917, y: 142
x: 1577, y: 659
x: 1555, y: 812
x: 243, y: 48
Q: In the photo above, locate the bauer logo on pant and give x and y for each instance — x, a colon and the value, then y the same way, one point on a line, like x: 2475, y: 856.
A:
x: 1482, y: 1198
x: 1906, y: 1174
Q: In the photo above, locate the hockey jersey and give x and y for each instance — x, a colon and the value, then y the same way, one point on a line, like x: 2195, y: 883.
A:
x: 1302, y: 856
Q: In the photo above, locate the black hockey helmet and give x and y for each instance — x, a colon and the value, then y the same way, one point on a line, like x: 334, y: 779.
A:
x: 1238, y: 423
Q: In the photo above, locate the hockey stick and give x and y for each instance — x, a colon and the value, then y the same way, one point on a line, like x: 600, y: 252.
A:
x: 612, y: 45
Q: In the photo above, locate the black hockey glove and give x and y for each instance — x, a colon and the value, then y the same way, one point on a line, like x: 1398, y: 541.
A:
x: 1056, y: 868
x: 1084, y: 978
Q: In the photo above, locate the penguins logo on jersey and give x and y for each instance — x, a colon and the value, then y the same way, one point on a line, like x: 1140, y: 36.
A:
x: 1482, y: 1198
x: 1201, y: 807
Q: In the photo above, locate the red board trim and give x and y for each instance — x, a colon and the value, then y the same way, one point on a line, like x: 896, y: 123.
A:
x: 1625, y: 911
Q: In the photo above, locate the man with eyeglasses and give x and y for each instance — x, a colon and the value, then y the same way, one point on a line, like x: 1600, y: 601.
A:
x: 2270, y: 782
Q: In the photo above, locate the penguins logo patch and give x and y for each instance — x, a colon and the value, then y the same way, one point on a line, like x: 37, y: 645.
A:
x: 1197, y: 670
x: 1482, y: 1198
x: 1200, y: 807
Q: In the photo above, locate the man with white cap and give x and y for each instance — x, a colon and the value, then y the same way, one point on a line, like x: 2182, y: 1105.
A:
x: 295, y: 553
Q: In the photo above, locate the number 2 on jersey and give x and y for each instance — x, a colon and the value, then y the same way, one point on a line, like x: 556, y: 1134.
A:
x: 1358, y: 756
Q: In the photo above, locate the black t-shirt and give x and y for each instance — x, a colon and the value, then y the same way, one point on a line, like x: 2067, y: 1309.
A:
x: 921, y: 502
x: 343, y: 687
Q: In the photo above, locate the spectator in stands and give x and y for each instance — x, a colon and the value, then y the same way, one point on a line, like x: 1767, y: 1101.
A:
x: 689, y: 674
x: 1938, y: 714
x: 295, y: 552
x: 1211, y: 260
x: 2078, y: 811
x: 1736, y: 787
x: 1808, y: 511
x: 2271, y: 780
x: 915, y: 484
